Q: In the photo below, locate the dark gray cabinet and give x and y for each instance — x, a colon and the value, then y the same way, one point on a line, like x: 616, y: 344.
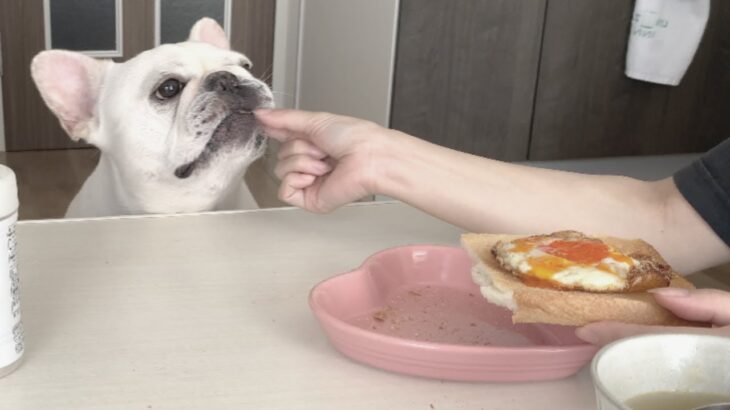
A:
x: 543, y: 79
x: 465, y: 73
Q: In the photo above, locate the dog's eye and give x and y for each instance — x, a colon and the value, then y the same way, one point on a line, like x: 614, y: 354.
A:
x: 247, y: 65
x: 169, y: 89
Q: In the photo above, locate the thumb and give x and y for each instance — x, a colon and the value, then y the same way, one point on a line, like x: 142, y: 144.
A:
x: 699, y: 305
x: 710, y: 306
x: 285, y: 125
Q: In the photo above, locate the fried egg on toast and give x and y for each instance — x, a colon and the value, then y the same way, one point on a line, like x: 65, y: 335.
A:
x: 568, y: 278
x: 570, y: 260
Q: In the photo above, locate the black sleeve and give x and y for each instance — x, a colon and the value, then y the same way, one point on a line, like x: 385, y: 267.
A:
x: 706, y: 185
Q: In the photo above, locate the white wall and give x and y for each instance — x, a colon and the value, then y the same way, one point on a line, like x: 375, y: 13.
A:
x: 346, y: 56
x: 286, y: 52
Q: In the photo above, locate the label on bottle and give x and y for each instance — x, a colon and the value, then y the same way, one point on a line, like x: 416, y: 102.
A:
x: 11, y: 328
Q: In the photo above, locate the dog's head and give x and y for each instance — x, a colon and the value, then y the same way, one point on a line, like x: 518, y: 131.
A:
x: 175, y: 122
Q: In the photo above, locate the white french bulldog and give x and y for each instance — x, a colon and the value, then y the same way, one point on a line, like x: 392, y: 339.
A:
x: 174, y: 124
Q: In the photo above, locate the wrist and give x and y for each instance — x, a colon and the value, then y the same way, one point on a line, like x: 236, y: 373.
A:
x: 391, y: 156
x: 377, y: 160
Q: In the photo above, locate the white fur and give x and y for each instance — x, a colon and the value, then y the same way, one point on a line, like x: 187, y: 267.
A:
x: 142, y: 143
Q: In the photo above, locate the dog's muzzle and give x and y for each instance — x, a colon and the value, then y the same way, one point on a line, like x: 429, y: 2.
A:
x: 239, y: 125
x: 240, y: 95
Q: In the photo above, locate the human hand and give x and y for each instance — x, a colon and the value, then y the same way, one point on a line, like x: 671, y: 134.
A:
x: 710, y: 306
x: 325, y: 160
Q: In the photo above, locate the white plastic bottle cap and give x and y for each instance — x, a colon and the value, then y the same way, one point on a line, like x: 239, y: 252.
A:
x: 8, y: 191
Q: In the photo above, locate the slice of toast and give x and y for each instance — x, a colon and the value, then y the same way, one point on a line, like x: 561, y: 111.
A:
x: 565, y: 307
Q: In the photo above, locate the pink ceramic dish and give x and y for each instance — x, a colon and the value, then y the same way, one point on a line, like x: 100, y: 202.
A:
x: 415, y: 310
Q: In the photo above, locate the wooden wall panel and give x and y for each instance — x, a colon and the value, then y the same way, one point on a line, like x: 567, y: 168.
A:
x: 138, y: 27
x: 587, y: 107
x: 465, y: 73
x: 253, y: 34
x: 29, y: 125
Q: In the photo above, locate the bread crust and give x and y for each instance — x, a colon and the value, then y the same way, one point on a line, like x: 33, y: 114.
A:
x: 574, y: 308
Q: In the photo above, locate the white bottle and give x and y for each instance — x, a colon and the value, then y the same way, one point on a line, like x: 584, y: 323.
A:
x: 11, y: 328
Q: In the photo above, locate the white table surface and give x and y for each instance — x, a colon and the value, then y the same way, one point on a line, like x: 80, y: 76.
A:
x: 210, y: 311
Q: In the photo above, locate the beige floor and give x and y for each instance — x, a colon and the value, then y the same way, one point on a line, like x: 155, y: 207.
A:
x: 48, y: 180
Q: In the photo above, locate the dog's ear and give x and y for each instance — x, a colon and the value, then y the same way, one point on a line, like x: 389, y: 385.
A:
x: 207, y: 30
x: 70, y: 83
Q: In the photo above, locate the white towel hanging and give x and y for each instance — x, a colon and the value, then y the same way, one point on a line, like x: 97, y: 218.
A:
x: 664, y: 38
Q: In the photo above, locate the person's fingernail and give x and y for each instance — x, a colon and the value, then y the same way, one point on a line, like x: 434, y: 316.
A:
x: 672, y: 292
x: 262, y: 111
x: 586, y: 334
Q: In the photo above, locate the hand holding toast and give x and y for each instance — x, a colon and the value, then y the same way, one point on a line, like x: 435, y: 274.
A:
x: 326, y: 161
x: 710, y: 306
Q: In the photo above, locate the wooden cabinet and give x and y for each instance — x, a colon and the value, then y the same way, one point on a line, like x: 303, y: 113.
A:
x: 544, y: 80
x: 465, y: 73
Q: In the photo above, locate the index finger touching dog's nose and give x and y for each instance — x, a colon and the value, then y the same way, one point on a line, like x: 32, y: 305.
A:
x: 277, y: 127
x: 285, y: 124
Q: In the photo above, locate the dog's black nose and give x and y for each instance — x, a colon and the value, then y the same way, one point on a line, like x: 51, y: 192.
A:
x: 222, y: 81
x: 246, y: 94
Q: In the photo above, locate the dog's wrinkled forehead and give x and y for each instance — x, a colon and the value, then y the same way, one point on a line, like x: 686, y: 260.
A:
x: 186, y: 62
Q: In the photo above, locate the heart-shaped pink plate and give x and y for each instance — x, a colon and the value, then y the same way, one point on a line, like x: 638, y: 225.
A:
x: 415, y: 310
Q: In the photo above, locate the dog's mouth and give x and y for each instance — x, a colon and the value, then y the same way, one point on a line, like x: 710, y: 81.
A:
x: 238, y: 127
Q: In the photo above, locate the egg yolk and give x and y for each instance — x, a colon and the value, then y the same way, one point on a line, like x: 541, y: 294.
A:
x: 523, y: 245
x: 544, y: 267
x: 584, y: 252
